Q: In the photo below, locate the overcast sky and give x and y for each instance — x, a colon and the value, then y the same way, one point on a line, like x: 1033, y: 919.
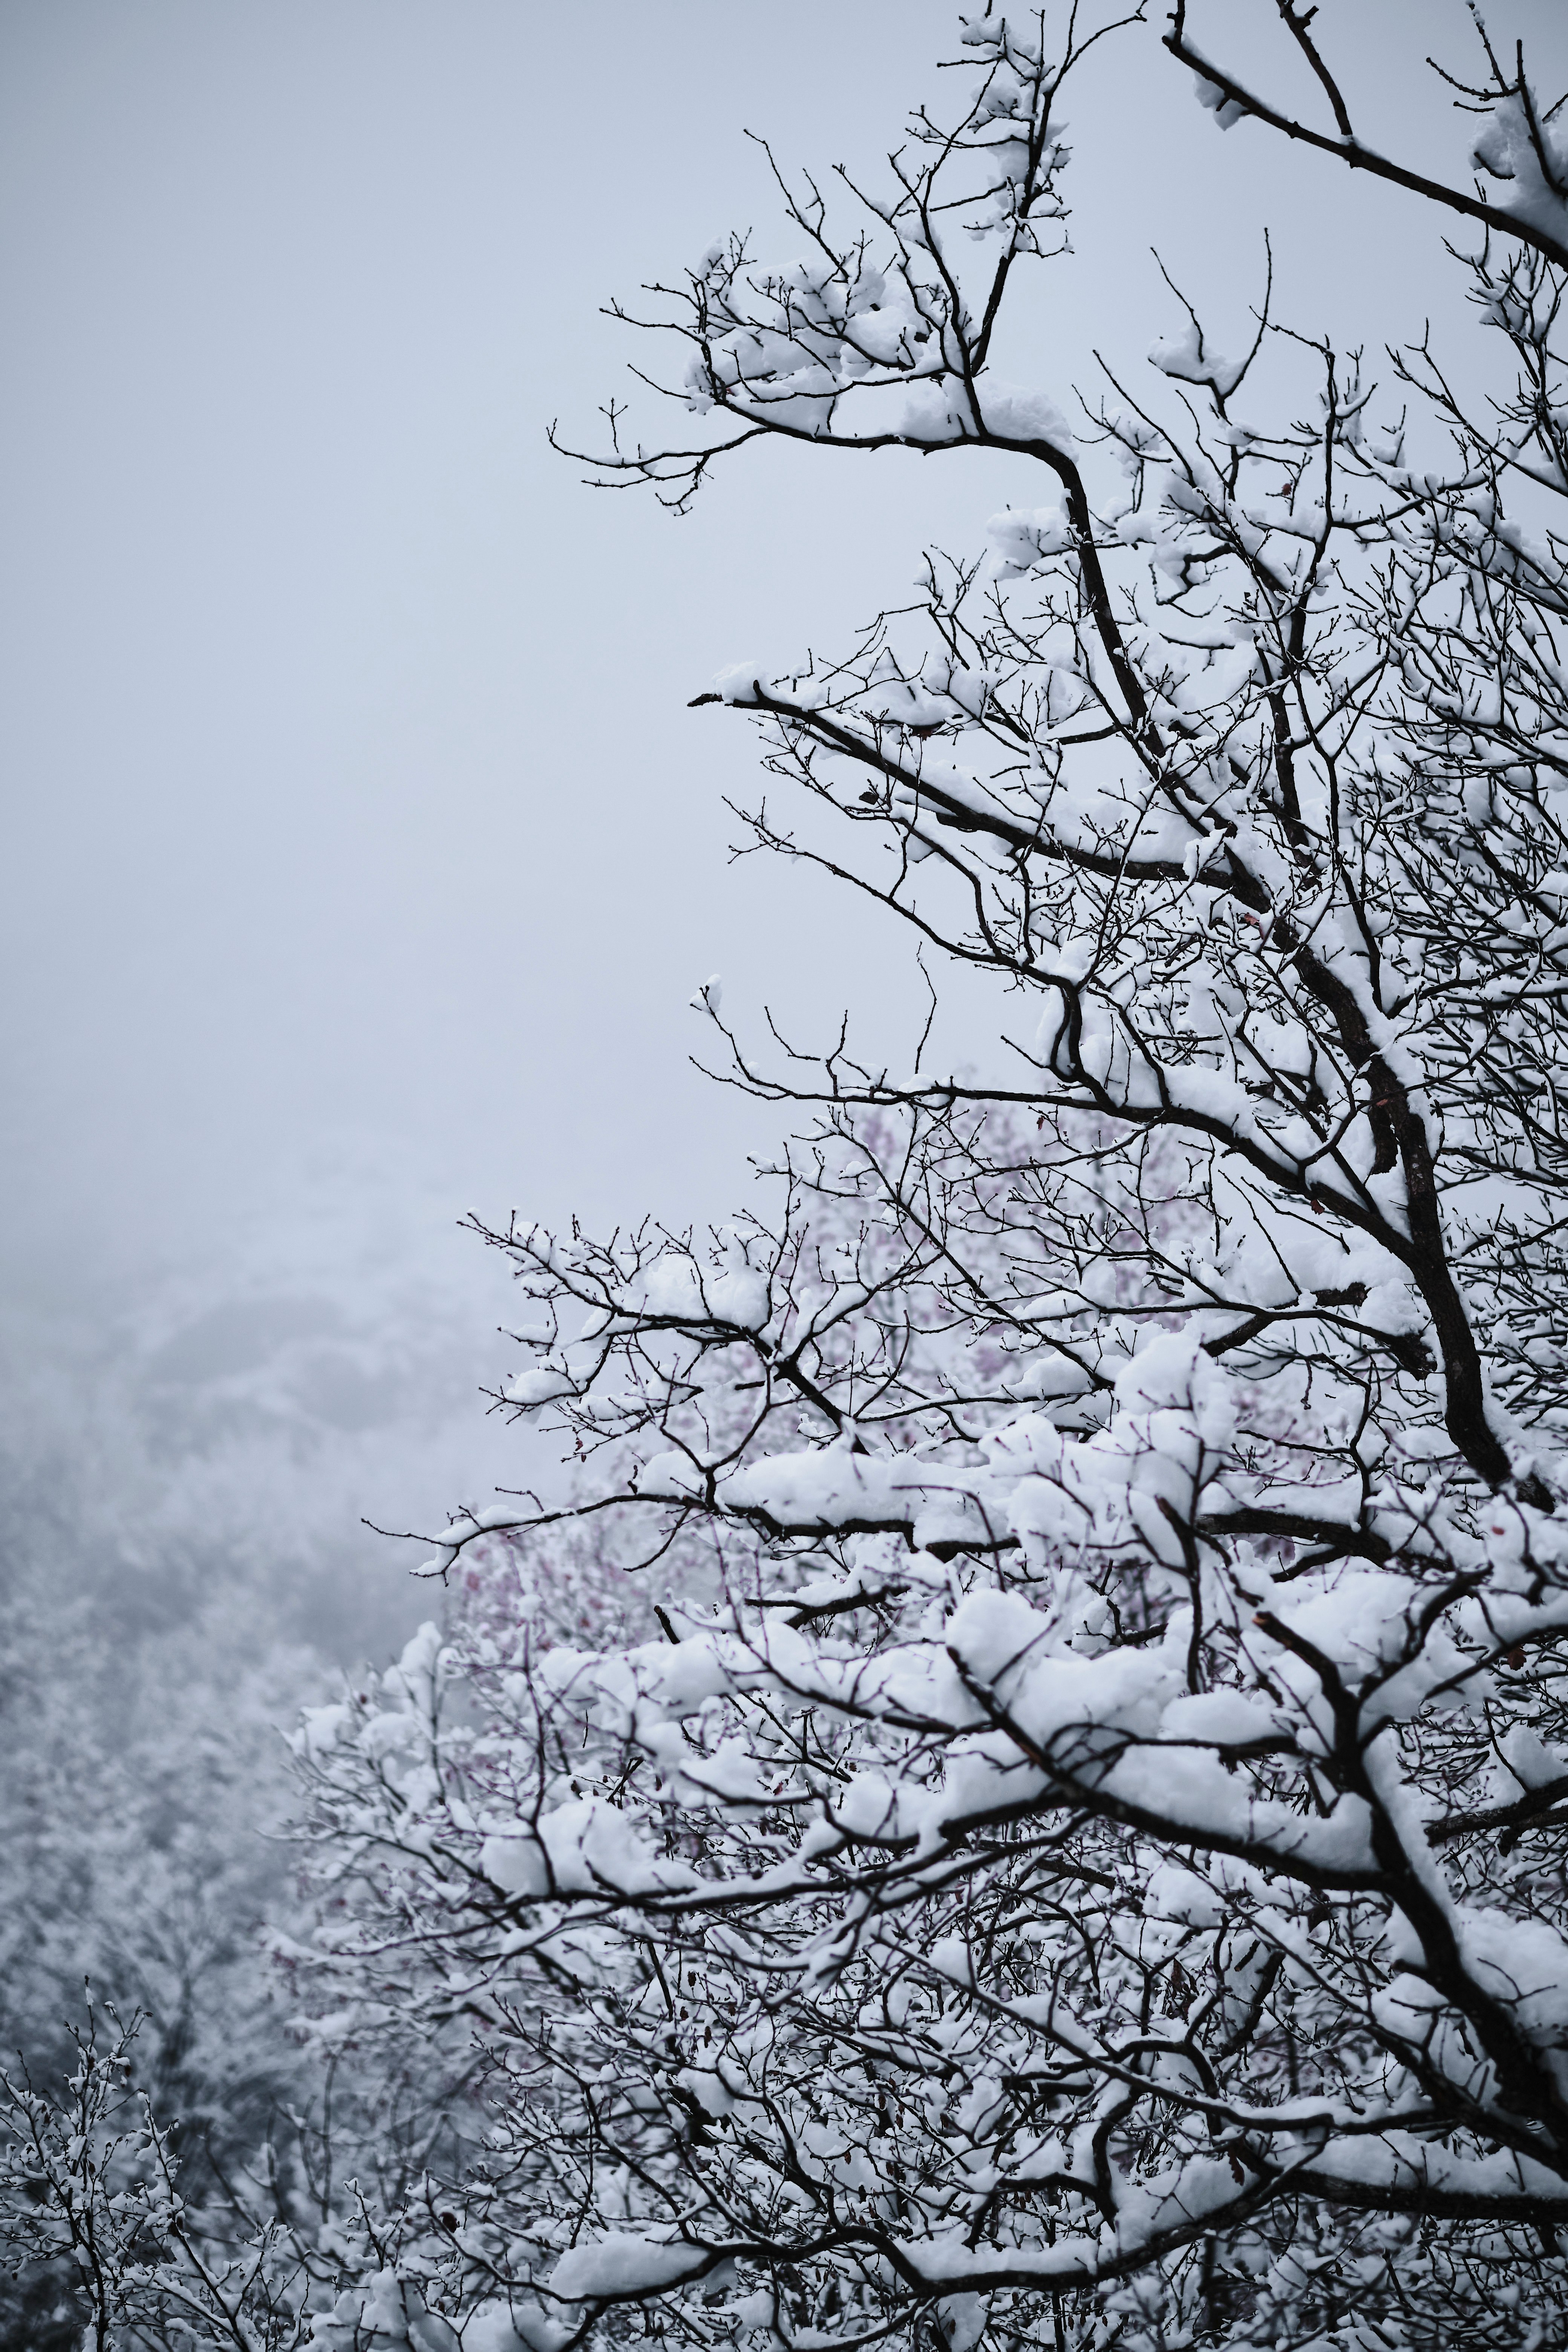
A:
x: 360, y: 848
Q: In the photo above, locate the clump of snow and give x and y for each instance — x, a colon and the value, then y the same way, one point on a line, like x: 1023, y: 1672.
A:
x: 1535, y: 184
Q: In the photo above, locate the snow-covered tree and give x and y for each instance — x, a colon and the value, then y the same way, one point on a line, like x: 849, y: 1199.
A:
x: 1077, y: 1858
x: 179, y: 2162
x: 1050, y: 1830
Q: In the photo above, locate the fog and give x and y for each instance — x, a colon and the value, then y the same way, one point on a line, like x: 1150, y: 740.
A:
x: 362, y: 854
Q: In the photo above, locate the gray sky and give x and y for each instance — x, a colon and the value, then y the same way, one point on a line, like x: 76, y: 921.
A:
x: 361, y: 855
x: 350, y: 786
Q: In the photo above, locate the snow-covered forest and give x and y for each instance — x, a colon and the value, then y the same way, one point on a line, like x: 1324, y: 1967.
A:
x: 994, y: 1770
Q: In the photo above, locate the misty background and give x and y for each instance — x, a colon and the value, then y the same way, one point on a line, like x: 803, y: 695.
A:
x: 361, y: 854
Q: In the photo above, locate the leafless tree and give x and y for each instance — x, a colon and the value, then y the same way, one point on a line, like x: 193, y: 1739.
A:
x: 1072, y: 1853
